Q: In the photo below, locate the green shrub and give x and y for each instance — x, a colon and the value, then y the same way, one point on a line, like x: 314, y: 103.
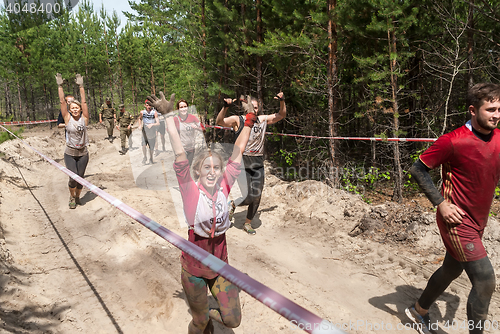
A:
x: 4, y: 135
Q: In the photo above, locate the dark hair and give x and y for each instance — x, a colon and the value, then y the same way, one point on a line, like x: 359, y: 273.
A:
x: 179, y: 102
x: 483, y: 92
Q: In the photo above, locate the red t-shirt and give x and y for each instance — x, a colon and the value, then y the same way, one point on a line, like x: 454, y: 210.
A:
x: 190, y: 192
x: 470, y: 173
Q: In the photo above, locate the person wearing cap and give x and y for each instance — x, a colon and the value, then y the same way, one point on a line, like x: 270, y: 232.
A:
x: 125, y: 121
x: 108, y: 116
x: 148, y: 121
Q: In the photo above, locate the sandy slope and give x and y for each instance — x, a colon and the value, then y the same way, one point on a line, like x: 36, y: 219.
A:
x: 95, y: 270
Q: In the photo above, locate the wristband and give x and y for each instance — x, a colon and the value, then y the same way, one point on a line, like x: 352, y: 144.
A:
x: 250, y: 119
x: 280, y: 98
x: 226, y: 105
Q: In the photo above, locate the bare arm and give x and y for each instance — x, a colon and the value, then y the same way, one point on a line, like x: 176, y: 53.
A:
x: 242, y: 140
x: 222, y: 120
x: 281, y: 114
x: 62, y: 100
x: 175, y: 139
x: 85, y: 109
x: 157, y: 121
x: 162, y: 105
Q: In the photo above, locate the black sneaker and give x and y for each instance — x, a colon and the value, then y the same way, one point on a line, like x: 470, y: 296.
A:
x: 422, y: 322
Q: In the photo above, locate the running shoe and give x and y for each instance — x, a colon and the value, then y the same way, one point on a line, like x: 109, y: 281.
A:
x: 422, y: 322
x: 248, y: 228
x: 72, y: 202
x: 77, y: 201
x: 232, y: 207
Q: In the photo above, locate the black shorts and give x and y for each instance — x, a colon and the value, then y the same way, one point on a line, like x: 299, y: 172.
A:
x: 161, y: 128
x: 149, y: 137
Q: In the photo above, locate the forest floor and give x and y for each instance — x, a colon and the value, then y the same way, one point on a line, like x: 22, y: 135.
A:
x: 96, y: 270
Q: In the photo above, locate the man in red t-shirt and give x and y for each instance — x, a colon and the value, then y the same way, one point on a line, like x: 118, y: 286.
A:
x: 470, y: 160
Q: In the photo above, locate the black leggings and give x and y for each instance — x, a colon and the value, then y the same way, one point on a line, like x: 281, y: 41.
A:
x: 482, y: 277
x: 77, y: 165
x: 253, y: 188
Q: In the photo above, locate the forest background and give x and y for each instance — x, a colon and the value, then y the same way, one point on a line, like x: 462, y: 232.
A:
x: 369, y: 68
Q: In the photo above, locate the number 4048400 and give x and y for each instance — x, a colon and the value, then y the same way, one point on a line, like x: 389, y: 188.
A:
x: 48, y: 8
x: 464, y: 325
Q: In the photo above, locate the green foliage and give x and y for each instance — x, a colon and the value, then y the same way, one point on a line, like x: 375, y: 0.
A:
x: 358, y: 179
x: 4, y: 135
x: 288, y: 157
x: 394, y: 64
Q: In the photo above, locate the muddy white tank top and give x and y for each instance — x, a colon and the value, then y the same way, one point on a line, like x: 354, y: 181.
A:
x: 148, y: 117
x: 255, y: 146
x: 206, y: 211
x: 187, y: 132
x: 76, y: 133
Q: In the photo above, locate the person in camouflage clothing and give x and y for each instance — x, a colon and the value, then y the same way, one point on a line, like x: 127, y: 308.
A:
x: 108, y: 116
x: 125, y: 121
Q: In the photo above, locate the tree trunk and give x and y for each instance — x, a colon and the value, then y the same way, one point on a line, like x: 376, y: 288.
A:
x: 121, y: 91
x: 134, y: 90
x: 8, y: 104
x: 32, y: 110
x: 153, y: 88
x: 259, y: 58
x: 205, y: 75
x: 20, y: 100
x: 110, y: 75
x: 332, y: 79
x: 246, y: 83
x: 397, y: 195
x: 48, y: 112
x: 470, y: 45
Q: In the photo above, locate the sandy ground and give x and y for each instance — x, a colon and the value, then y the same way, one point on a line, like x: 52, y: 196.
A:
x: 95, y: 270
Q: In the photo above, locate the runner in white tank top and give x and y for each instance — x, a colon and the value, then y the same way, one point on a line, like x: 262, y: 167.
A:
x: 252, y: 181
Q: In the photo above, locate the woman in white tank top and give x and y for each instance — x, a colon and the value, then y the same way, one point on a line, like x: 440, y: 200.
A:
x: 76, y: 155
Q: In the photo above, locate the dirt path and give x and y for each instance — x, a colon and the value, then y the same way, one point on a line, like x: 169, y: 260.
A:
x: 95, y: 270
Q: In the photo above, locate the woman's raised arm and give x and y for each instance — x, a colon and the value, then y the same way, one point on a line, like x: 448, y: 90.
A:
x: 62, y: 100
x: 85, y: 109
x: 165, y: 108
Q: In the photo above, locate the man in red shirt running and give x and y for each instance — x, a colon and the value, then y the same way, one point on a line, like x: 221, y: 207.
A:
x: 470, y: 160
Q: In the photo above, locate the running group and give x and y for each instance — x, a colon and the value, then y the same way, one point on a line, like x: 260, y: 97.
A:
x: 469, y: 158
